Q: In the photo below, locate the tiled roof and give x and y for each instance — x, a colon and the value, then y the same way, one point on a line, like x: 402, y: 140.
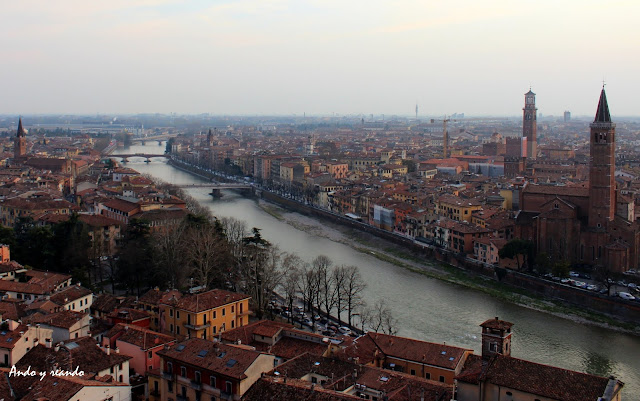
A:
x: 96, y: 220
x: 497, y: 324
x: 12, y: 309
x: 8, y: 338
x: 129, y: 314
x: 245, y: 334
x: 271, y: 388
x: 216, y: 357
x: 81, y: 352
x: 138, y: 336
x: 156, y: 296
x: 64, y: 319
x: 206, y: 300
x: 69, y: 294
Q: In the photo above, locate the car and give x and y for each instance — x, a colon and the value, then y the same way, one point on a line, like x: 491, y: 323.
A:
x: 316, y: 317
x: 574, y: 274
x: 299, y: 309
x: 307, y: 322
x: 626, y: 295
x: 347, y: 331
x: 632, y: 285
x: 566, y: 281
x: 286, y: 313
x: 592, y: 287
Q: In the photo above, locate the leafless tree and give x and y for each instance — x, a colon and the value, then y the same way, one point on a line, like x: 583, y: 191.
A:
x: 308, y: 286
x: 339, y: 276
x: 291, y: 270
x: 206, y: 254
x: 169, y: 249
x: 379, y: 318
x: 352, y: 287
x: 327, y: 289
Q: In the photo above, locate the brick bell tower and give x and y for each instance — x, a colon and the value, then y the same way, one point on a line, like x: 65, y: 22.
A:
x: 530, y: 124
x: 602, y: 184
x: 496, y: 338
x: 20, y: 141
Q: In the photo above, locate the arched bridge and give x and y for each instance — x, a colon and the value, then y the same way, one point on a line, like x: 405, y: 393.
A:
x: 148, y: 157
x: 217, y: 185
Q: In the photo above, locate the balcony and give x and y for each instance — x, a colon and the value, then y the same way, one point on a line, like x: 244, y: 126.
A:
x: 196, y: 385
x: 167, y: 375
x: 197, y: 326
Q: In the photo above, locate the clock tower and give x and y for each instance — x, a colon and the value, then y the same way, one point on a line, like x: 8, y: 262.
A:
x: 530, y: 124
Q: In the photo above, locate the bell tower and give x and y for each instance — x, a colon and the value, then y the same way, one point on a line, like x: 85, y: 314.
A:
x: 530, y: 124
x: 602, y: 164
x: 20, y: 141
x: 496, y: 338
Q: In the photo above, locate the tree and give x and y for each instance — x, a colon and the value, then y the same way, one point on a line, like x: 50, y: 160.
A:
x: 561, y: 269
x: 543, y: 263
x: 135, y: 257
x: 379, y: 318
x: 206, y: 254
x: 351, y: 290
x: 604, y: 276
x: 261, y: 271
x: 327, y: 290
x: 291, y: 264
x: 514, y: 249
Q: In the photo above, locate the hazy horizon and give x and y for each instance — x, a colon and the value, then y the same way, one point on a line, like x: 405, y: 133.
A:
x: 284, y: 58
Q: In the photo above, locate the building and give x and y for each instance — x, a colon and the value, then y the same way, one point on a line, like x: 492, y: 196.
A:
x: 579, y: 224
x: 20, y: 142
x: 530, y: 124
x: 204, y: 315
x: 198, y: 369
x: 18, y: 339
x: 495, y: 375
x: 456, y: 208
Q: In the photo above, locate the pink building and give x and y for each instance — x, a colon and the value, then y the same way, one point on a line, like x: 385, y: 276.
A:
x: 139, y: 343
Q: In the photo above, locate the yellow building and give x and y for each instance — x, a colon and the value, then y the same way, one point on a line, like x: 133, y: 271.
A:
x: 204, y: 315
x: 456, y: 208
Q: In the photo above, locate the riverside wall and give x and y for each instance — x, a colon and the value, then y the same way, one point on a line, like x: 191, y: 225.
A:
x: 628, y: 311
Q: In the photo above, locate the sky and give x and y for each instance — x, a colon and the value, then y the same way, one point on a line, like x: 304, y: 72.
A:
x: 265, y: 57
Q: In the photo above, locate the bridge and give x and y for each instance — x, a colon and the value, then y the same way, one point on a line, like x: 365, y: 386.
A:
x: 217, y: 185
x: 125, y: 156
x: 159, y: 138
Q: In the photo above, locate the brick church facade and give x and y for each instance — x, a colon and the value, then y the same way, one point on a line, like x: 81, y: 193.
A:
x: 579, y: 223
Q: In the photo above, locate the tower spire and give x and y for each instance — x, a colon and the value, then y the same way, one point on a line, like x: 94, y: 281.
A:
x: 20, y: 132
x: 602, y: 115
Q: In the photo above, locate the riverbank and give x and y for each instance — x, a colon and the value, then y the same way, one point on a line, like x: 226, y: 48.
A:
x: 397, y: 255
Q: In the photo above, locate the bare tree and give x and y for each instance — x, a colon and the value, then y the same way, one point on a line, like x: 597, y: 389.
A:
x: 207, y: 254
x: 291, y: 270
x: 379, y: 318
x: 308, y: 286
x: 352, y: 287
x: 339, y: 276
x: 169, y: 250
x: 327, y: 289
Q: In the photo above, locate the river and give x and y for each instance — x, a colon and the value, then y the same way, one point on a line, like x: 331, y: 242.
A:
x: 426, y: 308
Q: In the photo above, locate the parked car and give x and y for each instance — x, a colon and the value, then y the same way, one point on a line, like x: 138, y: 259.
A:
x: 347, y: 331
x: 626, y: 295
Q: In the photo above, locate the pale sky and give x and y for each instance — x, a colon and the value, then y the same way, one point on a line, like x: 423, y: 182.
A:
x: 318, y: 56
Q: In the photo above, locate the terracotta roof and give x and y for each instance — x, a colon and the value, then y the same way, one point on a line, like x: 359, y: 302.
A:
x: 64, y: 319
x: 13, y: 309
x: 245, y: 334
x: 82, y: 352
x: 69, y: 294
x: 156, y: 297
x: 9, y: 338
x: 272, y: 388
x: 121, y: 205
x: 138, y: 336
x: 129, y: 314
x: 96, y: 220
x: 216, y: 357
x: 497, y: 324
x: 206, y: 300
x: 445, y: 356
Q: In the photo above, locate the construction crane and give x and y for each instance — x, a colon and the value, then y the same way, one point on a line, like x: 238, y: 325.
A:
x: 445, y: 133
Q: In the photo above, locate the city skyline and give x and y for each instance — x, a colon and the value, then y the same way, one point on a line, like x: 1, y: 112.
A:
x: 318, y: 58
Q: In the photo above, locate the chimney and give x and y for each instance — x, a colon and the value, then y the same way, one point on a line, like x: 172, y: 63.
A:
x: 57, y: 348
x: 108, y: 349
x: 48, y: 343
x: 117, y: 350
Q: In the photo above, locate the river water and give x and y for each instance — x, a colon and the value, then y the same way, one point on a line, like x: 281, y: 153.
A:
x: 426, y: 308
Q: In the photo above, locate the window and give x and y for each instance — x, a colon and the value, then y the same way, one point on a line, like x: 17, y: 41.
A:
x: 170, y: 386
x: 231, y: 308
x: 197, y: 377
x: 233, y: 324
x: 171, y: 312
x: 171, y: 327
x: 413, y: 372
x: 183, y: 371
x: 240, y: 308
x: 493, y: 347
x: 214, y: 314
x: 427, y: 376
x: 212, y: 381
x: 177, y: 329
x: 509, y: 393
x: 228, y: 387
x: 150, y: 354
x: 169, y: 367
x: 214, y: 329
x: 188, y: 319
x: 314, y: 380
x: 177, y: 314
x: 223, y: 312
x: 442, y: 379
x: 121, y: 379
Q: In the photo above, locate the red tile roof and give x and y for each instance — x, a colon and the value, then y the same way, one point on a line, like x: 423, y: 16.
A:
x: 206, y: 300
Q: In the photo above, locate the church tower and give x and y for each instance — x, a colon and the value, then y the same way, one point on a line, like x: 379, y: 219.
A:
x: 496, y: 338
x: 530, y: 124
x: 602, y: 165
x: 20, y: 141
